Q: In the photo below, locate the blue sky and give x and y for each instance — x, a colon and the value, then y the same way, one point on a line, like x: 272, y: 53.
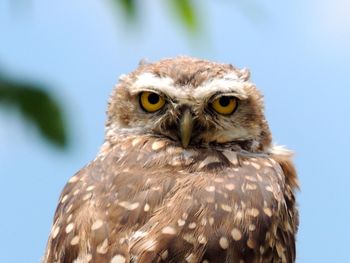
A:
x: 298, y: 53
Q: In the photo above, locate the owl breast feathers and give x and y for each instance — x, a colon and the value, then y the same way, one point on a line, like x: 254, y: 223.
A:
x: 187, y: 173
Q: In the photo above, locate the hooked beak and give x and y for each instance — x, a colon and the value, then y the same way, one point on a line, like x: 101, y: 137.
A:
x: 186, y: 125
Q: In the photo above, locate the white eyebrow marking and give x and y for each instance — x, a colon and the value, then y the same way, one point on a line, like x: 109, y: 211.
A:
x: 149, y: 80
x: 230, y: 83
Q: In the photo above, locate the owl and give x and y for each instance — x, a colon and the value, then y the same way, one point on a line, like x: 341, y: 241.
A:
x: 187, y: 173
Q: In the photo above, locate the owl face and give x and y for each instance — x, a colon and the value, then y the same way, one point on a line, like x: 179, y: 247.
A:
x: 192, y: 102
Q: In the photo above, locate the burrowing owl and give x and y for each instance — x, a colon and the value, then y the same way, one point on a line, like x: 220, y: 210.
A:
x: 187, y: 173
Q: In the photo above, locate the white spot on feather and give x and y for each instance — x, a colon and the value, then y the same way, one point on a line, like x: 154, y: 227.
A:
x: 90, y: 188
x: 73, y: 179
x: 202, y: 239
x: 230, y: 187
x: 236, y: 234
x: 69, y: 228
x: 210, y: 188
x: 169, y: 230
x: 129, y: 206
x: 223, y: 242
x: 192, y: 225
x: 267, y: 211
x: 181, y: 222
x: 146, y: 207
x: 103, y: 247
x: 55, y: 232
x: 226, y: 208
x: 118, y: 259
x: 256, y: 165
x: 165, y: 255
x: 64, y: 199
x: 157, y: 145
x: 75, y: 240
x: 97, y: 224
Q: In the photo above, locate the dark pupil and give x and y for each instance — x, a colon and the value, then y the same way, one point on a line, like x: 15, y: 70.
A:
x: 153, y: 98
x: 224, y: 101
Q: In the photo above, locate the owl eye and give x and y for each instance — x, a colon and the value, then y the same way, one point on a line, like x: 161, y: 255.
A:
x: 151, y: 102
x: 224, y: 105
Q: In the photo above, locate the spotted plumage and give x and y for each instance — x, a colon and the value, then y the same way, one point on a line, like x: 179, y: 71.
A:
x: 181, y: 177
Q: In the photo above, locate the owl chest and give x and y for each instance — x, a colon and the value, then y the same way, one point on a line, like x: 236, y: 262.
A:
x: 207, y: 203
x: 197, y: 181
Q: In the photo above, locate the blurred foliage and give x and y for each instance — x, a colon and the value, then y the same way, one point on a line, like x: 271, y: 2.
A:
x: 37, y: 106
x: 183, y: 9
x: 186, y: 13
x: 128, y: 6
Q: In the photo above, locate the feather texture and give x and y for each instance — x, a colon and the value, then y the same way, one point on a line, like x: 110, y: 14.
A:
x: 223, y: 194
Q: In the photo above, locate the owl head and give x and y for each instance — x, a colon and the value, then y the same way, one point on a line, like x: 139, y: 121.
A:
x: 193, y: 102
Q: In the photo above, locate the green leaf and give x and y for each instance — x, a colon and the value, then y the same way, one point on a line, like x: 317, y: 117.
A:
x: 185, y: 11
x: 37, y: 106
x: 128, y: 6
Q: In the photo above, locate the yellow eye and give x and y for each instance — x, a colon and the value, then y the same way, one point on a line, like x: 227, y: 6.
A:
x: 224, y: 105
x: 151, y: 101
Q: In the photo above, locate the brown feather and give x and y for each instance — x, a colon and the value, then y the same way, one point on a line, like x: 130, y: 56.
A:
x: 227, y: 197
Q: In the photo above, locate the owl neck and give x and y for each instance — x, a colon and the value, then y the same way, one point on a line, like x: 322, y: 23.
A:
x: 251, y: 146
x: 258, y: 144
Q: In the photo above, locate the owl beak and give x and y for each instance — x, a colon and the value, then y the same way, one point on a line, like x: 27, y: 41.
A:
x: 186, y: 125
